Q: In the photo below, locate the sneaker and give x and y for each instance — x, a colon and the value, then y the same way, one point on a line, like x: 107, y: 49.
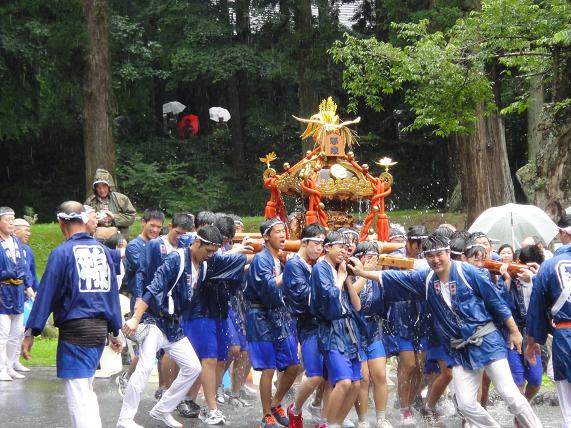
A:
x: 363, y: 424
x: 15, y: 375
x: 214, y: 417
x: 4, y: 376
x: 294, y: 421
x: 165, y: 417
x: 18, y: 366
x: 384, y: 423
x: 348, y: 423
x: 269, y: 421
x: 188, y: 409
x: 315, y: 412
x: 128, y: 423
x: 220, y: 395
x: 407, y: 418
x: 203, y: 413
x: 280, y: 414
x: 432, y: 414
x: 159, y: 393
x: 237, y: 401
x: 122, y: 381
x: 248, y: 392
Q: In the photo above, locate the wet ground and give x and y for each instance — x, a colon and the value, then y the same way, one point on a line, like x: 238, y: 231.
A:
x: 38, y: 401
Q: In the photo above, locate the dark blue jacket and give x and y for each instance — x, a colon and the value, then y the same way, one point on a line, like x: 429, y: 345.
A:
x: 225, y: 272
x: 475, y: 303
x: 132, y: 256
x: 548, y: 284
x: 296, y: 291
x: 268, y: 319
x: 12, y: 296
x: 340, y: 327
x: 80, y: 281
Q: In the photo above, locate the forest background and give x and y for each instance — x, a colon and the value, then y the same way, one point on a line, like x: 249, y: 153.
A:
x: 473, y: 98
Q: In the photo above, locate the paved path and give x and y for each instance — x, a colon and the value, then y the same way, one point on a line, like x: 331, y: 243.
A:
x: 38, y: 402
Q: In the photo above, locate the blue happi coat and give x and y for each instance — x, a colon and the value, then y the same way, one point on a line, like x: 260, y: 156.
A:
x: 133, y: 253
x: 372, y: 306
x: 11, y: 295
x: 553, y: 276
x: 296, y: 292
x: 475, y: 303
x: 31, y: 265
x: 79, y: 282
x: 267, y: 319
x: 151, y: 258
x: 211, y: 300
x: 340, y: 327
x: 408, y: 319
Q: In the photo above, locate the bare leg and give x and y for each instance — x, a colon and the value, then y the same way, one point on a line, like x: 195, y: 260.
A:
x: 209, y: 384
x: 439, y: 385
x: 341, y: 400
x: 362, y: 401
x: 266, y: 391
x: 285, y: 383
x: 306, y: 388
x: 378, y: 374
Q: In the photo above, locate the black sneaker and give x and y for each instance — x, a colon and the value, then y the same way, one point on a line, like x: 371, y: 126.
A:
x: 188, y: 409
x: 159, y: 393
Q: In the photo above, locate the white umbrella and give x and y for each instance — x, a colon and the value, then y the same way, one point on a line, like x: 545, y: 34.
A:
x: 511, y: 223
x: 218, y: 114
x: 173, y: 107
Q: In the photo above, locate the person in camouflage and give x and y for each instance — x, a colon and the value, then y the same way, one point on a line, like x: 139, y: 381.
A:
x: 114, y: 209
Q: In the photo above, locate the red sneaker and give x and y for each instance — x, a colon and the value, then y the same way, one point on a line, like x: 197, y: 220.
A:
x: 294, y: 421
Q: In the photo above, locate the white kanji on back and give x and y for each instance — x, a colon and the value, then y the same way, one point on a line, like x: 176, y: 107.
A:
x: 92, y: 268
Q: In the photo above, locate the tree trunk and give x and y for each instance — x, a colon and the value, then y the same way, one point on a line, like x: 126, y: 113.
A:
x: 485, y: 175
x: 308, y: 97
x: 534, y: 117
x: 97, y: 127
x: 236, y: 124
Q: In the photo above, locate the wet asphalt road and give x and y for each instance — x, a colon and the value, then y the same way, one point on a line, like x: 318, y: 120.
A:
x: 38, y: 401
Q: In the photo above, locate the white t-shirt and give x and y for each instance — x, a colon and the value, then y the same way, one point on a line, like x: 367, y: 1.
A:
x: 11, y: 244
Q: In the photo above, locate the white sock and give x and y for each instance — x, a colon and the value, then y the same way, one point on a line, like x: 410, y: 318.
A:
x: 362, y: 418
x: 294, y: 410
x: 380, y: 415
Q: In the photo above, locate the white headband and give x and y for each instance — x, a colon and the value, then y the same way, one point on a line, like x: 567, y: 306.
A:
x: 366, y: 253
x: 272, y: 224
x: 73, y: 216
x: 336, y: 242
x: 567, y: 230
x: 438, y: 249
x: 8, y: 211
x: 456, y: 253
x: 417, y: 237
x: 351, y: 232
x: 469, y: 247
x: 313, y: 239
x: 206, y: 241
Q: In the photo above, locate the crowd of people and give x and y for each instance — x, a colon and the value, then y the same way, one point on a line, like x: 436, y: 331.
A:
x: 203, y: 305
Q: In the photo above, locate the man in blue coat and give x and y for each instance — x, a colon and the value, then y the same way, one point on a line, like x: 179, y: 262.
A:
x: 465, y: 308
x: 550, y: 305
x: 167, y: 296
x: 14, y: 279
x: 296, y: 295
x: 79, y: 287
x: 271, y: 343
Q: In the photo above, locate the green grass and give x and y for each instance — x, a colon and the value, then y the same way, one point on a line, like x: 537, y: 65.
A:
x: 43, y: 353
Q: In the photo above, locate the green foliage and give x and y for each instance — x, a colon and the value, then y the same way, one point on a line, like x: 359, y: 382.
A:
x: 445, y: 75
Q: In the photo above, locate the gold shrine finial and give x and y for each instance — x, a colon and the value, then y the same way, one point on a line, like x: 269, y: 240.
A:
x: 328, y: 122
x: 269, y: 158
